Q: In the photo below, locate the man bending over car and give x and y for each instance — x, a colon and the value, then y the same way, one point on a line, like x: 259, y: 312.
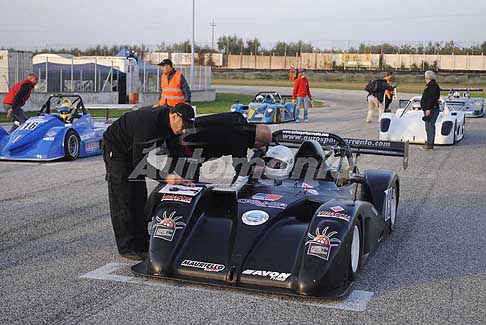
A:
x: 226, y: 134
x: 125, y: 144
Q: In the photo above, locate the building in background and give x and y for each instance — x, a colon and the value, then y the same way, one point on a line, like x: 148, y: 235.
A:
x: 14, y: 66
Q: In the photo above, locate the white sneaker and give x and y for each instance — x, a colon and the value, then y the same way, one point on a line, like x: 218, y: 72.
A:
x: 306, y: 120
x: 297, y: 121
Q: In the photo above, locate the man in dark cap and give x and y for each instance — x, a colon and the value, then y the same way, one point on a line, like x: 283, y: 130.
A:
x: 125, y: 145
x: 174, y: 87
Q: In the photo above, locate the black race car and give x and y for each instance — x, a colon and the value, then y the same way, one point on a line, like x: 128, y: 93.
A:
x: 305, y: 235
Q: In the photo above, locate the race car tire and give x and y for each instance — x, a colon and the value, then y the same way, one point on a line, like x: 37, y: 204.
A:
x: 392, y: 208
x: 72, y: 145
x: 355, y: 251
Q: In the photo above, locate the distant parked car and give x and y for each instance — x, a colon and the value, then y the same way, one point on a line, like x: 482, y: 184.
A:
x: 471, y: 106
x: 267, y: 107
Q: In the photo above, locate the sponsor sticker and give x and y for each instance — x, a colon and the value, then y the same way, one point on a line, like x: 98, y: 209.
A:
x: 208, y: 267
x: 167, y: 226
x: 320, y: 244
x: 276, y: 276
x: 264, y: 204
x: 177, y: 198
x: 337, y: 208
x: 266, y: 197
x: 330, y: 214
x: 92, y: 146
x: 254, y: 217
x: 180, y: 190
x: 309, y: 189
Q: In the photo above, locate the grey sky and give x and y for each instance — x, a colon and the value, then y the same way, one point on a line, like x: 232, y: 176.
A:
x: 35, y: 23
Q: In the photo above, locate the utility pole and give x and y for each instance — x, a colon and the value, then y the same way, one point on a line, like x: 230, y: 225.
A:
x: 212, y: 25
x: 192, y: 45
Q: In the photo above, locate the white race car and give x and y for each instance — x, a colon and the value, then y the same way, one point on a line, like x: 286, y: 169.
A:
x: 407, y: 125
x: 471, y: 106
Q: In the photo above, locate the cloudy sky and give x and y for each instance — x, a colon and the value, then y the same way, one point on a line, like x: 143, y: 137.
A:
x: 326, y: 23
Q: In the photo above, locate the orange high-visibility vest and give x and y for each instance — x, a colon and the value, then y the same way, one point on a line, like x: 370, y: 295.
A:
x: 292, y: 74
x: 172, y: 93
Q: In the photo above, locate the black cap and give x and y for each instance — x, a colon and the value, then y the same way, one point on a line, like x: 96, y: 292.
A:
x: 186, y: 112
x: 166, y: 61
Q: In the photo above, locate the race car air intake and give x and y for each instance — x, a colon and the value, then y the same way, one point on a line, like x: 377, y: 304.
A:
x: 446, y: 128
x: 385, y: 124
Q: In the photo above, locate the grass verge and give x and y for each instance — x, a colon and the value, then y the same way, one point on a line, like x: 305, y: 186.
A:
x: 222, y: 104
x: 342, y: 85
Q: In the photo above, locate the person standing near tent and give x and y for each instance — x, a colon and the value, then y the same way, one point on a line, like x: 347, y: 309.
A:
x: 16, y: 98
x: 174, y: 87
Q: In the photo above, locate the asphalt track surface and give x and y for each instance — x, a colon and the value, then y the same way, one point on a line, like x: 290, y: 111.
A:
x: 55, y: 228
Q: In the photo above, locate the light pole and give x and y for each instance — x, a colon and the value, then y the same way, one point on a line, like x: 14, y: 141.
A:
x: 212, y: 25
x: 192, y: 45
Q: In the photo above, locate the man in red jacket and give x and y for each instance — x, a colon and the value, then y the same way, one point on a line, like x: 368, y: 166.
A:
x: 16, y: 98
x: 303, y: 95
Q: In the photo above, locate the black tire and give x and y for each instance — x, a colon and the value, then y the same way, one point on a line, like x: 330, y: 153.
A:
x: 72, y: 145
x: 392, y: 209
x: 355, y: 253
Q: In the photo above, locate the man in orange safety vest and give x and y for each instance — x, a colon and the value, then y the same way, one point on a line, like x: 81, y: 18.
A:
x: 174, y: 87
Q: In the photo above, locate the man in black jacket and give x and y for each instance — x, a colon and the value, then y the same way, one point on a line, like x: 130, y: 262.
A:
x: 126, y: 143
x: 430, y: 105
x: 229, y: 134
x: 375, y: 99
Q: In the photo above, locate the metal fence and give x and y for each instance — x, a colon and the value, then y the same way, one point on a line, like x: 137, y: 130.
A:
x: 93, y: 77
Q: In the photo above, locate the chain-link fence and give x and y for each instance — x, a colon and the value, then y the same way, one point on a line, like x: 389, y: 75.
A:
x: 54, y: 77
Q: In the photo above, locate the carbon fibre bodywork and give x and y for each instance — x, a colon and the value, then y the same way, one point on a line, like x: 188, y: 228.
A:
x: 291, y: 237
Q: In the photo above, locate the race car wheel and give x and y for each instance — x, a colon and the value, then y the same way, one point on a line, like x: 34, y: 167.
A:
x: 72, y: 145
x: 391, y: 208
x: 356, y: 251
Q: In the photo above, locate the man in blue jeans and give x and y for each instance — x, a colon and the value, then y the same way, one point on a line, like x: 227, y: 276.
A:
x: 303, y: 95
x: 430, y: 106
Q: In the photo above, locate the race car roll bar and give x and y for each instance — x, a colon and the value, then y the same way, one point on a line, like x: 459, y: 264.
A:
x: 294, y: 138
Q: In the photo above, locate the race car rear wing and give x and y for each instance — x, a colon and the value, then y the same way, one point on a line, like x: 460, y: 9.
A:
x: 451, y: 90
x: 294, y: 138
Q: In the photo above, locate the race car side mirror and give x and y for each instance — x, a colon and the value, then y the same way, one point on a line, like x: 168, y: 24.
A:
x: 357, y: 178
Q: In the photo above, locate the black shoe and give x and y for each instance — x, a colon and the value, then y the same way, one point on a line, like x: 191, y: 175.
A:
x: 135, y: 256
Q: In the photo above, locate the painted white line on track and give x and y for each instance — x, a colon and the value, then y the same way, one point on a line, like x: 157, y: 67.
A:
x: 356, y: 301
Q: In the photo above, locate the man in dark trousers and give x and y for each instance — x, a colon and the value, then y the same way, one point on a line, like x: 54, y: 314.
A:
x: 430, y: 105
x: 229, y: 134
x: 16, y: 98
x: 125, y: 145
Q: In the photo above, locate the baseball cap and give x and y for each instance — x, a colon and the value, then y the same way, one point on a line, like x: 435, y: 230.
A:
x: 166, y: 61
x: 186, y: 112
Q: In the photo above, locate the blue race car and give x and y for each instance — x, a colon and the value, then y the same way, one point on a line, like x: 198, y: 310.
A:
x: 71, y: 133
x: 267, y: 107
